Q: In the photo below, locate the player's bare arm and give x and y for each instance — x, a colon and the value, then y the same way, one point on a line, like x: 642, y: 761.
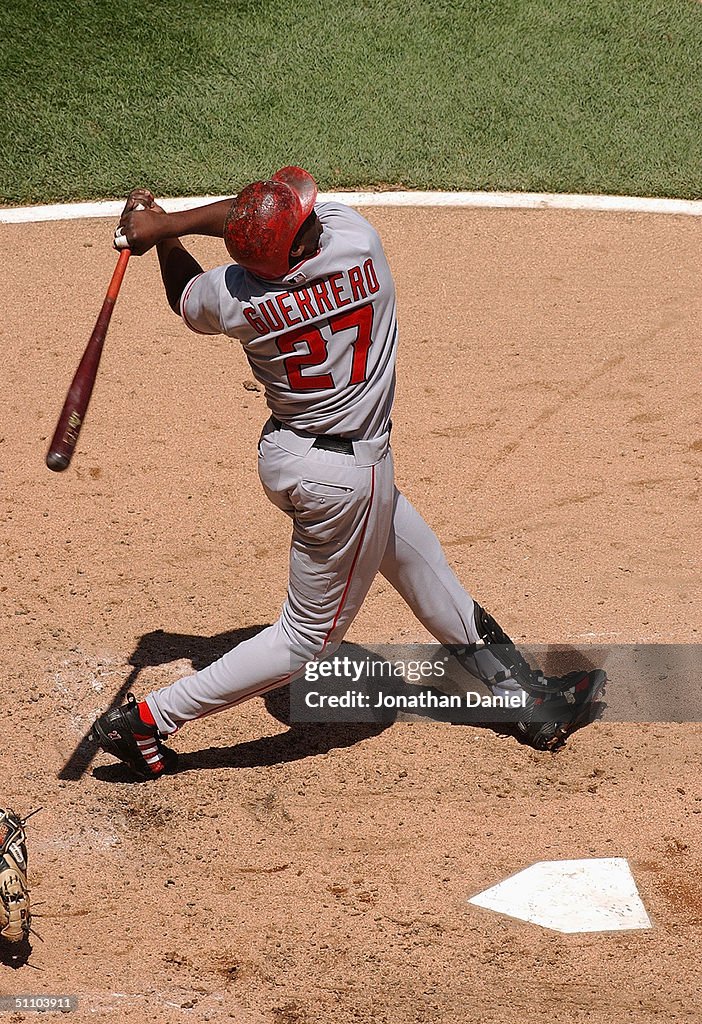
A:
x: 178, y: 268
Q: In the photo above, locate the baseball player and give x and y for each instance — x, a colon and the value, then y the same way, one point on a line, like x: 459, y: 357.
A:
x: 311, y: 299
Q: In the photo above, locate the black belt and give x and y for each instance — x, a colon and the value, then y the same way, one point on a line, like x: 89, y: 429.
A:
x: 328, y: 442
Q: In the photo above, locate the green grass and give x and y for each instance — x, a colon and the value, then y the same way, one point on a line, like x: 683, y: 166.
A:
x: 188, y: 97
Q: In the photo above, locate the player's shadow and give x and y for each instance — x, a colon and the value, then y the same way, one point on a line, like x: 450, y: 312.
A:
x: 301, y: 739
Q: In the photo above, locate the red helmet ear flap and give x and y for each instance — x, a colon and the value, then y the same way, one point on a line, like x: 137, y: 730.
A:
x: 264, y: 219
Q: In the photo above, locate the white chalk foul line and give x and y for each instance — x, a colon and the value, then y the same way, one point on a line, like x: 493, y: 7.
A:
x: 487, y: 200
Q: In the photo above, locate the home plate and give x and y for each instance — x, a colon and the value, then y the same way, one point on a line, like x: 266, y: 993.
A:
x: 593, y: 895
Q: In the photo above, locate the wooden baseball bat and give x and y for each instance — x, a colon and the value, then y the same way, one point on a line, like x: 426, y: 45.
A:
x: 70, y: 421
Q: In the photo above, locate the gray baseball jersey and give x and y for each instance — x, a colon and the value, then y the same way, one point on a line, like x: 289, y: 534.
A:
x: 323, y: 340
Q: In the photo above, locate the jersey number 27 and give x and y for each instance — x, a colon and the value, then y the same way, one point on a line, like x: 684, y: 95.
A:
x: 360, y: 318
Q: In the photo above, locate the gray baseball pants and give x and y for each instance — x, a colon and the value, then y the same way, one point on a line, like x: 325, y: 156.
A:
x: 349, y: 522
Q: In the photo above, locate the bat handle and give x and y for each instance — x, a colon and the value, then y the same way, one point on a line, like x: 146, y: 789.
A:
x: 116, y: 281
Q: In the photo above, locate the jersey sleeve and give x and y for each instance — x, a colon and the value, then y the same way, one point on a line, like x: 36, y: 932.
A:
x: 200, y: 302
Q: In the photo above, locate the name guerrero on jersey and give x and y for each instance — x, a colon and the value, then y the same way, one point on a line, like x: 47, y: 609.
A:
x: 322, y: 340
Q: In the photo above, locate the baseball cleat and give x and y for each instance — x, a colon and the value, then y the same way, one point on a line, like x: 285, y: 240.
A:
x: 122, y: 733
x: 550, y: 718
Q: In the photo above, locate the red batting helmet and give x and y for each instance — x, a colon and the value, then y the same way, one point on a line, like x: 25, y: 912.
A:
x: 265, y: 217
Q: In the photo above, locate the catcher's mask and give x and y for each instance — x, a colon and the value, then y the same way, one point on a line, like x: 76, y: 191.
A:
x: 265, y: 218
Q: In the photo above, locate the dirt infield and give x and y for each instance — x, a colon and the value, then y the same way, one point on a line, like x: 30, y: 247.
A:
x: 547, y: 425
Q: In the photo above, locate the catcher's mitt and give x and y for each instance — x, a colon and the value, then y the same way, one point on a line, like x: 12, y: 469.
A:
x: 15, y: 918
